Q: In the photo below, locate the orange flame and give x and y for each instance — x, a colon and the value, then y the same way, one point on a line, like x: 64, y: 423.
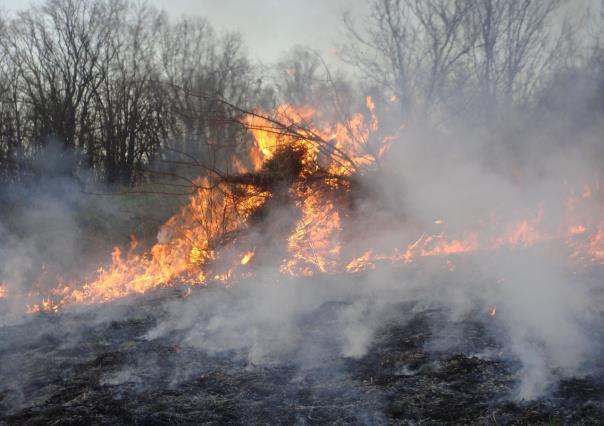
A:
x: 247, y: 257
x: 189, y: 243
x: 192, y: 241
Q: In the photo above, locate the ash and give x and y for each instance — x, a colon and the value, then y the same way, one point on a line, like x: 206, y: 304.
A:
x: 120, y: 364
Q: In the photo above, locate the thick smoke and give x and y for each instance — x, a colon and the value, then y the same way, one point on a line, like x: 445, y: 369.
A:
x: 50, y: 229
x: 464, y: 177
x: 547, y: 309
x: 431, y: 181
x: 546, y: 312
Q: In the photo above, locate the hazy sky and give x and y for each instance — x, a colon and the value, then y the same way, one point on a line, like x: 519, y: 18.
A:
x: 272, y: 26
x: 268, y: 26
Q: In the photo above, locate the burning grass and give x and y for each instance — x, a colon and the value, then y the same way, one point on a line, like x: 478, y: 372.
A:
x: 312, y: 173
x: 302, y: 206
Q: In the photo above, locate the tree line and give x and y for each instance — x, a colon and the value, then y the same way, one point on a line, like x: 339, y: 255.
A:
x: 109, y: 82
x: 115, y: 83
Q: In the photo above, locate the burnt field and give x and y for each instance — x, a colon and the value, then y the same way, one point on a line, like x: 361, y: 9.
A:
x: 399, y: 220
x: 124, y: 364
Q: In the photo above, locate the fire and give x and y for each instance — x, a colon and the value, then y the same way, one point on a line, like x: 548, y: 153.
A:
x: 596, y: 244
x: 312, y: 164
x: 190, y: 243
x: 187, y: 242
x: 371, y: 107
x: 574, y: 230
x: 46, y: 305
x: 313, y: 246
x: 247, y: 257
x: 3, y: 290
x: 524, y: 233
x: 362, y: 262
x: 493, y: 311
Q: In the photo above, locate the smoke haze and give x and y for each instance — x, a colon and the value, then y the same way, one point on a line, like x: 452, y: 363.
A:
x: 503, y: 186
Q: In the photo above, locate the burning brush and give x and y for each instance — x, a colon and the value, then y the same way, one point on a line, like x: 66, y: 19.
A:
x: 313, y: 171
x: 309, y: 171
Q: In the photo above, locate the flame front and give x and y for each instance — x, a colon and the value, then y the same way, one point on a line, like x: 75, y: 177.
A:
x: 318, y: 165
x: 247, y: 257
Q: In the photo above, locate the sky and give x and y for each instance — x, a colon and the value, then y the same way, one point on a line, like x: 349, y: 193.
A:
x: 269, y: 27
x: 272, y: 26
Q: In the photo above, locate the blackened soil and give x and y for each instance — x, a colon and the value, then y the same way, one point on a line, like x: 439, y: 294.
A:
x: 91, y: 368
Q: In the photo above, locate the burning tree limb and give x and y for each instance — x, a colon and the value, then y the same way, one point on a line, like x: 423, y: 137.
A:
x: 287, y: 206
x: 291, y: 166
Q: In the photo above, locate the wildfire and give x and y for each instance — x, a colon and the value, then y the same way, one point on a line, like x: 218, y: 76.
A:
x: 3, y: 290
x: 190, y: 243
x: 247, y: 257
x: 574, y: 230
x: 314, y: 168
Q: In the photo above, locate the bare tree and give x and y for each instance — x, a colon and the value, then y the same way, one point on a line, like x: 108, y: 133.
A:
x: 130, y: 109
x: 10, y: 112
x: 56, y: 48
x: 386, y: 49
x: 99, y: 77
x: 515, y: 46
x: 445, y: 44
x: 195, y: 60
x: 298, y: 76
x: 449, y: 54
x: 415, y: 49
x: 302, y: 78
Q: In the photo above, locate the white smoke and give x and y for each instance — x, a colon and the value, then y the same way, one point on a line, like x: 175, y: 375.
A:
x: 545, y: 305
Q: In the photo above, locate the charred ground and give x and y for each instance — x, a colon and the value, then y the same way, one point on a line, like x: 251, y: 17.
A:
x: 101, y: 366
